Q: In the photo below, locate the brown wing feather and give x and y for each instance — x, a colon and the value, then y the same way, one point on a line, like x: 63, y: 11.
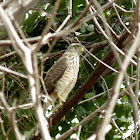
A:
x: 54, y: 74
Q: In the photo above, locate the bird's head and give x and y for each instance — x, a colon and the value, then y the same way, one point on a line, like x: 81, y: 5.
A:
x: 76, y: 47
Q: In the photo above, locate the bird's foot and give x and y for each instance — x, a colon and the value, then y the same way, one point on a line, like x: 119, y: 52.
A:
x: 61, y: 100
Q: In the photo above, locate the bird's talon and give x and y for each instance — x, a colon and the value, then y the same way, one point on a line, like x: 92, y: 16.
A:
x: 62, y: 119
x: 60, y: 102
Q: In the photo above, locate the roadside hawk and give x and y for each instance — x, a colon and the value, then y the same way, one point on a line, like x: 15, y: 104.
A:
x: 62, y: 76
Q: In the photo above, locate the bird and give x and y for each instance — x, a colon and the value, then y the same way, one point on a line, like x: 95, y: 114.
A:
x: 61, y: 78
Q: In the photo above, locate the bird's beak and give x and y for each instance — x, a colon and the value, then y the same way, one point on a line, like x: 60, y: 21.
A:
x: 82, y: 49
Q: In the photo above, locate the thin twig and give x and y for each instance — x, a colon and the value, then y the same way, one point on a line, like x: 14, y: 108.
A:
x: 94, y: 97
x: 67, y: 18
x: 46, y: 29
x: 11, y: 118
x: 7, y: 70
x: 112, y: 121
x: 101, y: 61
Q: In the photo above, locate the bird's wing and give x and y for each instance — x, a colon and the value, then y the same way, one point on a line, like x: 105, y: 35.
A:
x: 54, y: 74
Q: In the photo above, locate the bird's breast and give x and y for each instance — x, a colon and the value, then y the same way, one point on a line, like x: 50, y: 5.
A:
x: 68, y: 80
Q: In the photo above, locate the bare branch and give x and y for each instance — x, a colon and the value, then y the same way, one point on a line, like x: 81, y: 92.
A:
x: 30, y: 63
x: 4, y: 69
x: 11, y: 118
x: 116, y: 89
x: 47, y: 28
